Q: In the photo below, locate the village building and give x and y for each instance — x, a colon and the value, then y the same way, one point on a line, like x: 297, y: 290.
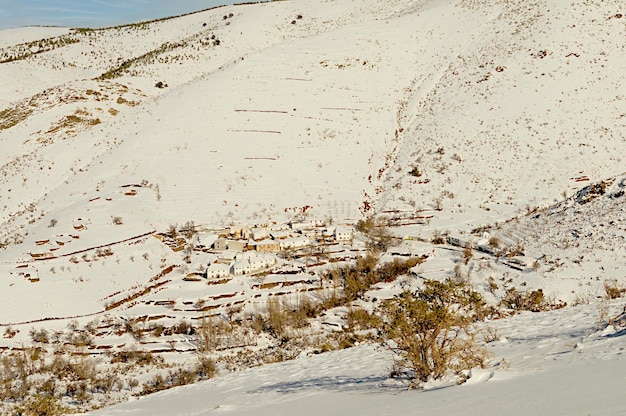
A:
x: 239, y: 232
x: 312, y: 233
x: 319, y: 222
x: 240, y: 267
x: 328, y: 232
x: 227, y: 257
x: 258, y: 234
x: 206, y: 239
x: 261, y: 262
x: 267, y: 246
x: 245, y: 264
x: 294, y: 243
x: 216, y: 270
x: 237, y: 245
x: 279, y: 235
x: 220, y: 244
x: 344, y: 233
x: 307, y: 224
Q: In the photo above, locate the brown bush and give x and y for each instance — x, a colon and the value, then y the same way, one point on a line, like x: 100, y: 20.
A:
x: 41, y: 405
x: 359, y: 318
x: 533, y: 301
x: 431, y: 332
x: 613, y: 291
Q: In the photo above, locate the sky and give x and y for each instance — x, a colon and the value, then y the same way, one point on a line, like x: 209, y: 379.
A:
x: 93, y: 13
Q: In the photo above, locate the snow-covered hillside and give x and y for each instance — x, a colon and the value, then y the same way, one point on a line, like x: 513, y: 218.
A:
x: 328, y: 105
x: 547, y: 371
x: 159, y: 173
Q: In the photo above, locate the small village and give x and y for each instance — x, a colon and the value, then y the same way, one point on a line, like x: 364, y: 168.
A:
x: 239, y: 250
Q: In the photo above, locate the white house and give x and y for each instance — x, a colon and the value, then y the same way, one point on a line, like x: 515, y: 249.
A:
x: 249, y: 264
x: 237, y: 245
x: 220, y: 244
x: 244, y: 255
x: 258, y: 234
x: 241, y: 267
x: 216, y: 270
x: 300, y: 225
x: 294, y: 242
x: 261, y: 262
x: 344, y: 233
x: 313, y: 233
x: 307, y: 224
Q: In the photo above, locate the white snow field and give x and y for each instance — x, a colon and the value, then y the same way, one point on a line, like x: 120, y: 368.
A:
x: 490, y: 135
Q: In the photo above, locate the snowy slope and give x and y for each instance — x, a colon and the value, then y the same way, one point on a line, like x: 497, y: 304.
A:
x: 493, y: 126
x: 531, y: 103
x: 339, y: 114
x: 569, y: 371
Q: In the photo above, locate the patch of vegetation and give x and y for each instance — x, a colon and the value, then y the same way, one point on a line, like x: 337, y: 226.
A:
x: 28, y: 49
x: 591, y: 192
x: 134, y: 356
x: 41, y: 405
x: 431, y: 331
x: 613, y: 291
x: 415, y: 172
x: 9, y: 117
x: 145, y: 58
x: 360, y: 319
x: 71, y: 122
x: 379, y: 238
x: 121, y: 100
x: 532, y: 300
x: 355, y: 280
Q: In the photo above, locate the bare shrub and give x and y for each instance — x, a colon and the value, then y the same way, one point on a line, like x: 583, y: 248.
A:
x: 189, y: 230
x: 205, y: 367
x: 79, y: 391
x: 40, y: 336
x: 613, y: 291
x: 207, y: 334
x: 490, y: 334
x: 467, y: 255
x: 9, y: 332
x: 277, y: 320
x: 183, y: 327
x: 438, y: 239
